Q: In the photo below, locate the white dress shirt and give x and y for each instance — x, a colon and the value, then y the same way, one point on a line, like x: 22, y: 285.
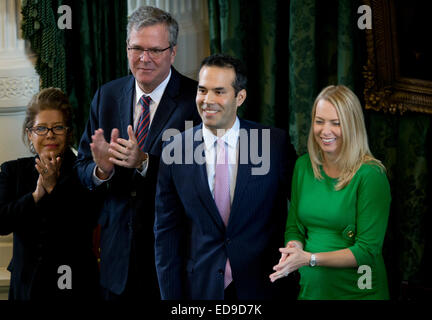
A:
x: 231, y: 138
x: 155, y: 95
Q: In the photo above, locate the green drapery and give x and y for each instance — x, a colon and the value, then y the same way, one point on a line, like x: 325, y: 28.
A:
x: 39, y: 25
x: 292, y: 49
x: 96, y: 51
x: 230, y: 21
x: 80, y: 59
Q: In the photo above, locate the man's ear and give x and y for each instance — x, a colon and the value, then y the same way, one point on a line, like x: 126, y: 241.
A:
x: 241, y: 97
x: 173, y: 53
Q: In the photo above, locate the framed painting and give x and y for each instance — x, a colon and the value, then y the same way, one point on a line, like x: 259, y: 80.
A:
x: 398, y: 73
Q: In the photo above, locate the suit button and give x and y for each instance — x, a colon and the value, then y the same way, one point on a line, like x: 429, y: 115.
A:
x: 228, y: 241
x: 220, y: 271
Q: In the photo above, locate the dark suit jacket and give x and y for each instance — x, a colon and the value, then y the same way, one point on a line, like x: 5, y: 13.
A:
x: 56, y: 231
x: 191, y: 241
x: 128, y: 212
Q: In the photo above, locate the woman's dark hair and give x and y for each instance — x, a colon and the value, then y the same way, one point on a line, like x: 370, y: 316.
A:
x: 48, y: 99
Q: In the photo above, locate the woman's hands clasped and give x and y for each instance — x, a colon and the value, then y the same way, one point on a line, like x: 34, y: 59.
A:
x: 292, y: 258
x: 48, y: 165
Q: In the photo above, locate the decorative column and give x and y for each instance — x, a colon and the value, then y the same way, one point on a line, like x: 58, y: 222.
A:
x: 193, y: 42
x: 18, y: 83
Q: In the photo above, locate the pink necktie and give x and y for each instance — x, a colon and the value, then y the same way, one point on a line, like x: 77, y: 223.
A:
x: 222, y: 194
x: 144, y: 121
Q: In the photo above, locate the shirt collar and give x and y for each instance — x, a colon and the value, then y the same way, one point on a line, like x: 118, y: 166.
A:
x: 230, y: 137
x: 156, y: 94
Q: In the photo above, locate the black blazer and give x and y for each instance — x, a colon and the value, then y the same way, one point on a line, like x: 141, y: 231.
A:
x: 127, y: 215
x: 192, y: 243
x: 54, y: 232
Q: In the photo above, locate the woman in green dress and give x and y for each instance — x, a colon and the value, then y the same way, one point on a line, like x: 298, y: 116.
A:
x: 339, y: 207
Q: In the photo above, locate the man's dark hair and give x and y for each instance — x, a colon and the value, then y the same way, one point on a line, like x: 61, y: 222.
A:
x: 225, y: 61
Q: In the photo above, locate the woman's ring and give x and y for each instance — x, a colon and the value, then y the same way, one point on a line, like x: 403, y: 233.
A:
x: 45, y: 170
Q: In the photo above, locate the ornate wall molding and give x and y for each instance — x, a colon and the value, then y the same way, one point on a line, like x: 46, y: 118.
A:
x: 18, y: 79
x: 13, y: 90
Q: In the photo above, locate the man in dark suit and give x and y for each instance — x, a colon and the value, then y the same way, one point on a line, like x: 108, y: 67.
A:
x: 220, y: 218
x: 121, y: 146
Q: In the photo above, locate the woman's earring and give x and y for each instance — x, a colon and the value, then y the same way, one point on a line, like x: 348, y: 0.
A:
x: 32, y: 149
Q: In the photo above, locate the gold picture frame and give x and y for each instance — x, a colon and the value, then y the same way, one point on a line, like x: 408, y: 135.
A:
x: 386, y: 88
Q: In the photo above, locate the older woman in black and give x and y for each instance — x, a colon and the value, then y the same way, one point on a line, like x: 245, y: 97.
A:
x: 50, y: 214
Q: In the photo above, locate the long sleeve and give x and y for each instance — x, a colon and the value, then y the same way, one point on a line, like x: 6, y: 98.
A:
x: 18, y: 209
x: 14, y: 209
x: 294, y: 230
x: 103, y: 114
x: 373, y: 206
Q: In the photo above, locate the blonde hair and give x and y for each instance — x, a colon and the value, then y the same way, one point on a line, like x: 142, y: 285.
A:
x: 355, y: 148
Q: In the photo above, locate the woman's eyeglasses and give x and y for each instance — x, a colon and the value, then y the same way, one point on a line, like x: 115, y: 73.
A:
x: 43, y: 131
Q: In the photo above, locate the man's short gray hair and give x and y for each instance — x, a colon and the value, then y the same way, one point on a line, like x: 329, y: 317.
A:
x: 148, y: 16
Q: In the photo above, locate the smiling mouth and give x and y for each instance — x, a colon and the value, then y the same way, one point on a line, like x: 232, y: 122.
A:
x: 328, y: 141
x: 210, y: 111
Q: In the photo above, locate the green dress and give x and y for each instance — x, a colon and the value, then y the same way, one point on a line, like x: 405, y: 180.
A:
x: 354, y: 217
